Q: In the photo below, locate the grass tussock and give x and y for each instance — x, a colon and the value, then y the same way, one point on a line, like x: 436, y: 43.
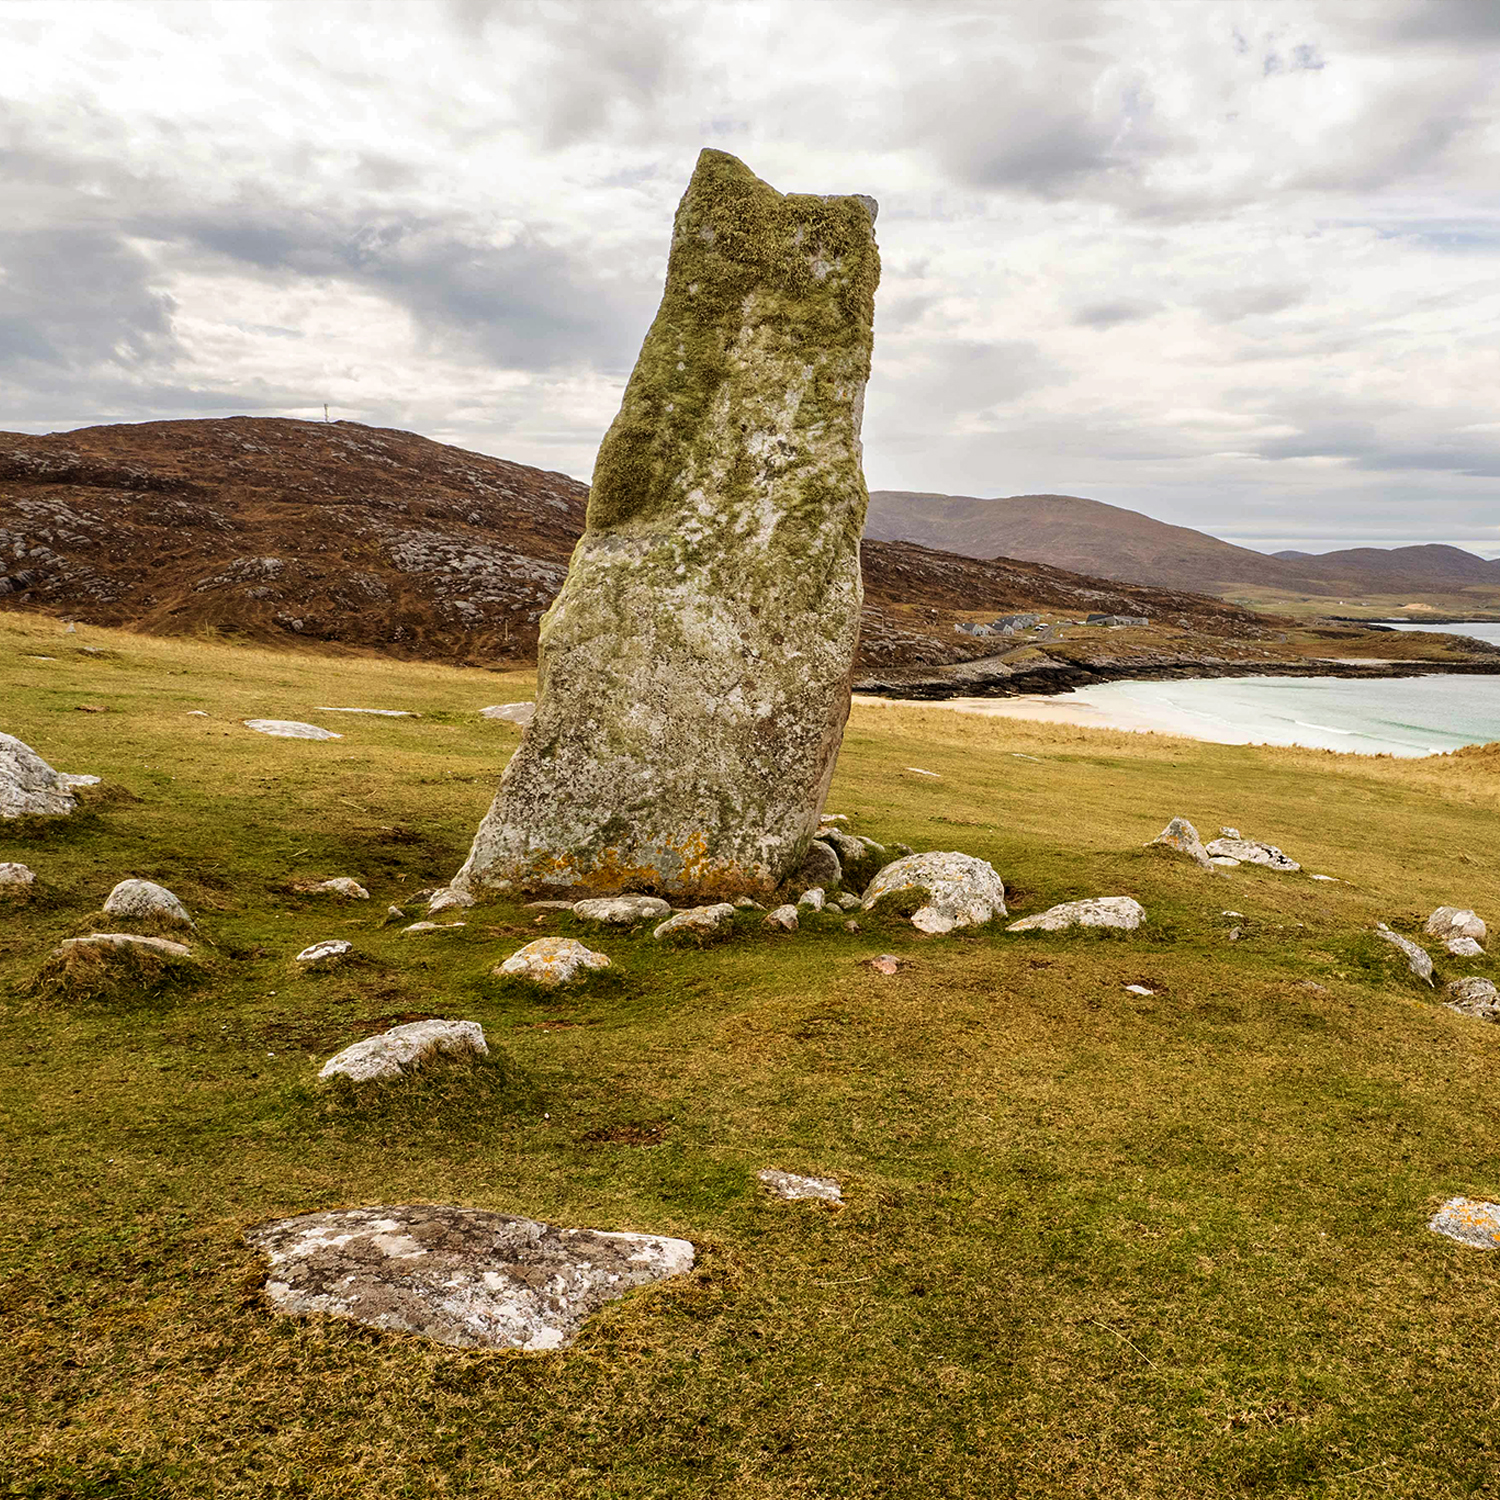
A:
x: 1094, y: 1243
x: 90, y: 972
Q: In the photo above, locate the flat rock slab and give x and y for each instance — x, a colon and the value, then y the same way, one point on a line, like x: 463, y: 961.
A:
x: 1470, y: 1221
x: 290, y: 729
x: 796, y: 1189
x: 12, y: 873
x: 163, y: 946
x: 383, y: 713
x: 552, y: 961
x: 1123, y: 912
x: 321, y: 952
x: 30, y: 788
x: 1252, y: 852
x: 143, y: 899
x: 955, y: 890
x: 520, y: 714
x: 1182, y: 838
x: 697, y: 921
x: 402, y: 1048
x: 621, y: 911
x: 432, y: 927
x: 1418, y: 961
x: 459, y: 1276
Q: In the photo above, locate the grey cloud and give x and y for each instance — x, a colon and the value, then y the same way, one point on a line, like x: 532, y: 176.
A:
x: 1233, y: 303
x: 1103, y: 315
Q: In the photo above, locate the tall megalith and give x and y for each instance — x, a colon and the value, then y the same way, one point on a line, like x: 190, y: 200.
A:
x: 693, y: 674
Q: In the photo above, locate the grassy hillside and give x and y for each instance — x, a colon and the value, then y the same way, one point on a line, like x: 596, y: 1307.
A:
x: 1094, y: 1243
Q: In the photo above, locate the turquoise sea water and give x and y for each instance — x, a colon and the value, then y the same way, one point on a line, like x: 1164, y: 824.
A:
x: 1386, y: 716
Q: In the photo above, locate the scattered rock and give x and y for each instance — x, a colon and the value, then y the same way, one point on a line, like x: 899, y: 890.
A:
x: 329, y: 948
x: 833, y: 818
x: 744, y: 903
x: 447, y: 899
x: 552, y: 961
x: 550, y: 905
x: 784, y: 917
x: 383, y: 713
x: 621, y: 911
x: 1330, y: 878
x: 918, y: 771
x: 1474, y: 997
x: 198, y: 713
x: 699, y: 920
x: 519, y: 714
x: 1139, y: 989
x: 796, y: 1189
x: 90, y: 708
x: 1229, y: 833
x: 394, y: 914
x: 1449, y: 922
x: 1417, y: 960
x: 852, y: 927
x: 30, y: 788
x: 1250, y: 852
x: 885, y: 963
x: 820, y: 867
x: 290, y: 729
x: 459, y: 1276
x: 163, y: 946
x: 15, y: 874
x: 144, y: 900
x: 847, y: 901
x: 342, y: 885
x: 697, y: 661
x: 1469, y: 1221
x: 1124, y: 912
x: 403, y: 1048
x: 862, y: 859
x: 813, y: 899
x: 1464, y: 947
x: 959, y: 890
x: 432, y: 927
x: 1181, y: 836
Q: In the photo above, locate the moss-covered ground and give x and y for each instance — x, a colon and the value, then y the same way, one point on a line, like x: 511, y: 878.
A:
x: 1094, y: 1244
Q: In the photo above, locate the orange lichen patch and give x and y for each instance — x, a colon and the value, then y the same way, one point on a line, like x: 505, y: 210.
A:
x: 1470, y: 1221
x: 685, y: 869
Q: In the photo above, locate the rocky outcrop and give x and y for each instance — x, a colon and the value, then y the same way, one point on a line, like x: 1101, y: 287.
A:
x: 1122, y: 912
x: 1418, y: 961
x: 460, y: 1276
x: 145, y: 901
x: 30, y: 788
x: 1180, y: 836
x: 403, y: 1048
x: 940, y: 891
x: 550, y: 962
x: 1253, y: 852
x: 694, y: 671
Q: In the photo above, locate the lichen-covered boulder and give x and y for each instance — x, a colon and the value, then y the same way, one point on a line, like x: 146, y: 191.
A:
x: 460, y: 1276
x: 1253, y: 852
x: 144, y: 900
x: 1418, y: 961
x: 697, y: 921
x: 622, y: 911
x: 1122, y: 912
x: 813, y: 900
x: 1180, y: 836
x: 397, y: 1051
x: 552, y: 961
x: 29, y: 787
x: 693, y: 673
x: 946, y: 890
x: 1449, y: 922
x: 1470, y: 1221
x: 783, y: 919
x: 1474, y: 997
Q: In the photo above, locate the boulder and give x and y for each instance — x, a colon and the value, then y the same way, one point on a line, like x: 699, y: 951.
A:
x: 519, y: 714
x: 694, y: 670
x: 1416, y: 960
x: 143, y: 901
x: 622, y: 911
x: 1470, y: 1221
x: 1449, y: 922
x: 459, y: 1276
x: 448, y: 899
x: 697, y: 921
x: 290, y: 729
x: 164, y: 947
x: 795, y: 1189
x: 1463, y: 947
x: 342, y: 885
x: 1251, y: 852
x: 16, y: 874
x: 813, y: 900
x: 1180, y: 835
x: 30, y: 788
x: 784, y: 918
x: 948, y: 890
x: 403, y: 1048
x: 328, y: 949
x: 1123, y: 912
x: 1474, y: 997
x: 552, y: 961
x: 861, y: 859
x: 819, y: 867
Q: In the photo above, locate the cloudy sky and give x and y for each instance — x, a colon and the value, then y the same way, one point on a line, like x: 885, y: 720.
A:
x: 1236, y: 265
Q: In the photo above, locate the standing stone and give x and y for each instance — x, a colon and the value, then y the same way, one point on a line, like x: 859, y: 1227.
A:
x: 694, y: 672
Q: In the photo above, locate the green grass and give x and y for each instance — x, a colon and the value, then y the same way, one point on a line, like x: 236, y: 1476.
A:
x: 1094, y: 1244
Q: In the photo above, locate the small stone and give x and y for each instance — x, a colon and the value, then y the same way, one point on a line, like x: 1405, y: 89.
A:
x: 519, y: 714
x: 1123, y: 912
x: 1416, y: 960
x: 852, y: 927
x: 394, y: 914
x: 342, y: 885
x: 1464, y: 947
x: 744, y: 903
x: 622, y: 911
x: 784, y: 918
x: 15, y: 874
x: 447, y: 899
x: 328, y: 949
x: 90, y: 708
x: 432, y: 927
x: 403, y: 1048
x: 834, y: 818
x: 1333, y: 879
x: 198, y: 713
x: 820, y: 867
x: 959, y: 890
x: 918, y: 771
x: 847, y: 901
x: 290, y: 729
x: 814, y: 899
x: 1313, y: 987
x: 460, y: 1276
x: 885, y: 963
x: 699, y: 920
x: 1139, y: 989
x: 550, y: 962
x: 143, y: 900
x: 1250, y: 852
x: 164, y: 946
x: 1470, y: 1221
x: 1474, y: 997
x: 1181, y: 836
x: 1229, y: 833
x: 794, y: 1189
x: 1453, y: 922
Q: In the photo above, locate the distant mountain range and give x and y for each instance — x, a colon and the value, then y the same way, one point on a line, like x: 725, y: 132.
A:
x: 1088, y: 536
